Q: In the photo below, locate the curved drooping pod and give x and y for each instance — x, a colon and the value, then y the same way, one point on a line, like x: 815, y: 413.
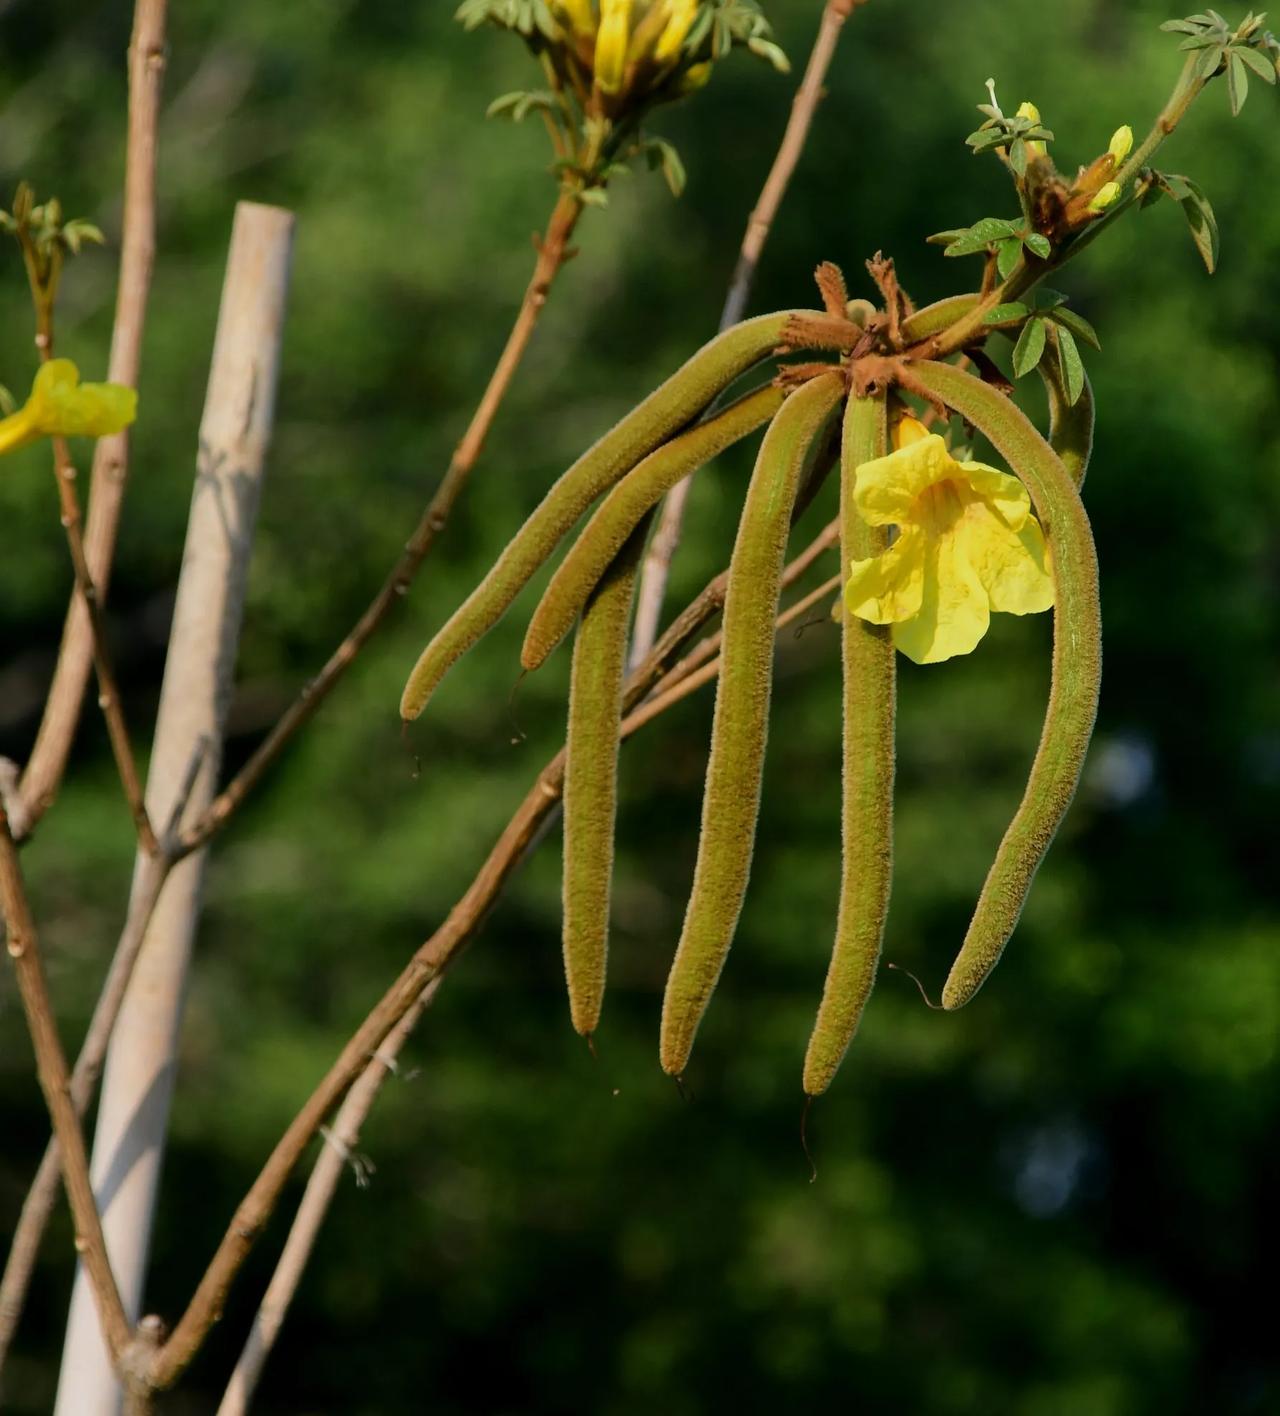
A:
x: 731, y: 799
x: 1077, y: 666
x: 591, y: 777
x: 869, y: 677
x: 626, y: 506
x: 686, y: 395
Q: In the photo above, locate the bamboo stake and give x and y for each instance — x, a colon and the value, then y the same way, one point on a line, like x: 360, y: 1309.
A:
x: 138, y: 1083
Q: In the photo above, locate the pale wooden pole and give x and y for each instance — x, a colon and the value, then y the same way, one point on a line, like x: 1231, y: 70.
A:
x: 138, y: 1081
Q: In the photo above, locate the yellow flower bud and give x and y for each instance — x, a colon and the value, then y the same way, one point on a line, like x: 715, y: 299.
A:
x: 1104, y: 196
x: 1121, y: 143
x: 1028, y: 110
x: 611, y: 44
x: 61, y: 406
x: 696, y: 76
x: 909, y: 430
x: 681, y: 15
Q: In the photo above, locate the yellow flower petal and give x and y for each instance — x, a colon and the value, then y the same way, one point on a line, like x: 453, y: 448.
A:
x: 1009, y: 562
x: 1004, y: 491
x: 682, y: 15
x: 61, y: 406
x: 955, y: 612
x: 908, y: 430
x: 579, y: 15
x: 885, y: 490
x: 611, y: 44
x: 889, y: 587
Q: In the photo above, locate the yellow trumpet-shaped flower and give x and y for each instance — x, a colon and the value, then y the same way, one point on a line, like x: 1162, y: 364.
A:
x: 967, y: 544
x: 611, y: 44
x: 61, y: 406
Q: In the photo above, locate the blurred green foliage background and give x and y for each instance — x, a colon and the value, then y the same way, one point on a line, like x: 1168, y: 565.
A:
x: 1058, y: 1202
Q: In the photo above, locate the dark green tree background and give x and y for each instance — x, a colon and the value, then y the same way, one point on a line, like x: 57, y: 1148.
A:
x: 1059, y: 1201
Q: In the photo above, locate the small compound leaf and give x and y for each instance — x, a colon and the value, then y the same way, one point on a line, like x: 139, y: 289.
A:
x: 1072, y: 365
x: 1047, y: 299
x: 1008, y: 254
x: 1180, y: 27
x: 662, y: 154
x: 981, y: 235
x: 1029, y: 348
x: 1258, y: 62
x: 1039, y: 244
x: 945, y: 238
x: 1078, y: 325
x: 1203, y: 224
x: 1179, y: 188
x: 1018, y: 156
x: 1210, y: 59
x: 1002, y: 314
x: 594, y: 196
x: 1237, y: 82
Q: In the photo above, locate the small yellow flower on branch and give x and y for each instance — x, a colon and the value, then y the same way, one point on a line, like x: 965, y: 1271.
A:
x: 967, y: 544
x: 61, y: 406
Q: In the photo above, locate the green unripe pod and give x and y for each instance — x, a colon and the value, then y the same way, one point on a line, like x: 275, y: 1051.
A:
x: 731, y: 802
x: 668, y: 409
x: 1077, y: 667
x: 869, y: 677
x: 591, y: 779
x: 626, y: 506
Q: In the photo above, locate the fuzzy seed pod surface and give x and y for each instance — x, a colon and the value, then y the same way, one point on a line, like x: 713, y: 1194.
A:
x: 731, y: 802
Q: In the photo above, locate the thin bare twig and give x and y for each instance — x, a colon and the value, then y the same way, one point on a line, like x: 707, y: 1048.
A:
x: 553, y: 251
x: 331, y: 1162
x: 108, y: 687
x: 51, y: 1068
x: 520, y: 834
x: 111, y: 456
x: 657, y: 566
x: 43, y: 1193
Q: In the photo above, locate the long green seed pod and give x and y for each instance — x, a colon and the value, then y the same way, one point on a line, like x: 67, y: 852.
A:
x: 1070, y: 424
x: 933, y: 319
x: 668, y: 409
x: 870, y: 674
x: 591, y: 778
x: 1077, y: 667
x: 731, y: 803
x: 626, y: 506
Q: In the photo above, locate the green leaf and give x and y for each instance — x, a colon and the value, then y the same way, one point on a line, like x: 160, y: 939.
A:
x: 981, y: 235
x: 503, y: 104
x: 594, y: 196
x: 1237, y: 81
x: 1072, y: 365
x: 945, y: 238
x: 1047, y: 299
x: 1207, y: 64
x: 1077, y: 324
x: 1008, y: 254
x: 1018, y: 156
x: 1039, y: 244
x: 1029, y: 348
x: 662, y: 154
x: 1012, y: 310
x: 1179, y: 188
x: 1203, y: 224
x: 1180, y: 27
x: 1258, y: 62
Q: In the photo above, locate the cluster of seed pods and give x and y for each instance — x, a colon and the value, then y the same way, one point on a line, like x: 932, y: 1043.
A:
x: 676, y: 430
